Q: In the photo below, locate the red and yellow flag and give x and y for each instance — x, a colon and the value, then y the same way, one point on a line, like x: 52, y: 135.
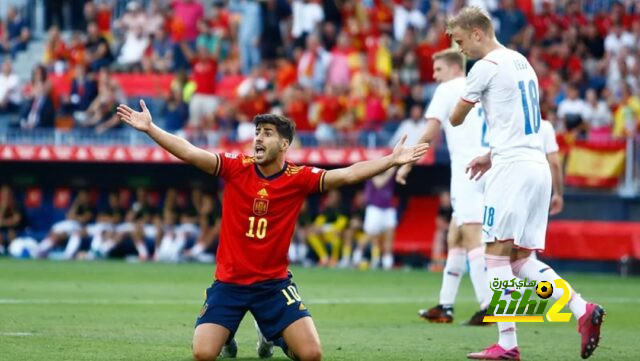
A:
x: 595, y: 165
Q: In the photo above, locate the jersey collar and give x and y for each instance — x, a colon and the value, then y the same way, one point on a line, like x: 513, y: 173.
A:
x: 271, y: 177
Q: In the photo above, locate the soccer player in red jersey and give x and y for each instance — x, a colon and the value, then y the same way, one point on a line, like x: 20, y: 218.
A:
x: 262, y: 199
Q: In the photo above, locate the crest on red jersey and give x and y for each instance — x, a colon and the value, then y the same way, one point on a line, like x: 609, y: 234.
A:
x: 260, y: 206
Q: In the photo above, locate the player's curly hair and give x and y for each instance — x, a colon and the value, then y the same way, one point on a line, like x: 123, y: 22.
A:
x: 285, y: 127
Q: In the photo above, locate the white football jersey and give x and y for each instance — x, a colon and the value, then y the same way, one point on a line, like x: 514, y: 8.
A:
x: 468, y: 140
x: 507, y: 86
x: 549, y: 142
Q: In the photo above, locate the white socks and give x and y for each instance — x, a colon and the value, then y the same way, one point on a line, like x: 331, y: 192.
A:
x: 452, y: 274
x: 508, y: 339
x: 357, y: 256
x: 533, y: 269
x: 73, y: 245
x: 44, y: 247
x: 197, y: 249
x: 143, y: 253
x: 387, y: 261
x: 499, y: 267
x: 478, y: 274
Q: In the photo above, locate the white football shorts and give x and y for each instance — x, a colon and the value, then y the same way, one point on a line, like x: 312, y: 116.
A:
x: 516, y: 203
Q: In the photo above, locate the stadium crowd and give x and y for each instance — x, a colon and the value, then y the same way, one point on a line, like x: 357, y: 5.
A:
x: 344, y: 70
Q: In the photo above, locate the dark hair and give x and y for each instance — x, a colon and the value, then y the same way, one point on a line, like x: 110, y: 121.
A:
x: 42, y: 76
x: 285, y: 127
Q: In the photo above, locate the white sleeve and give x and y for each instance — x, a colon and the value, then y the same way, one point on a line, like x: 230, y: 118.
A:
x: 441, y: 105
x: 478, y: 80
x: 562, y: 109
x: 548, y: 138
x: 609, y: 43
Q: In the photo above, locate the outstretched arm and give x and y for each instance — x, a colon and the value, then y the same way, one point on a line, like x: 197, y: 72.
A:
x: 432, y: 130
x: 361, y: 171
x: 381, y: 179
x: 460, y: 112
x: 177, y: 146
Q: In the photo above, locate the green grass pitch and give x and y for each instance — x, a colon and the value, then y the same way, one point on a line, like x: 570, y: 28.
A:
x: 117, y: 311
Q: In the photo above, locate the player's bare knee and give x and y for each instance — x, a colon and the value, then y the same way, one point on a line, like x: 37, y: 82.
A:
x: 201, y: 354
x: 313, y: 353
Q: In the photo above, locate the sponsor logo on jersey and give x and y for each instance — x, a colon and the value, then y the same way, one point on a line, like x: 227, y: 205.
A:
x: 263, y: 193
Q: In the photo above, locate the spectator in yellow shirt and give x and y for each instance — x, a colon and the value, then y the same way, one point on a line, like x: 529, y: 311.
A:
x: 629, y: 107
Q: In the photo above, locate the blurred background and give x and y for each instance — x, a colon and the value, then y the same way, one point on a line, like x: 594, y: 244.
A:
x: 354, y: 75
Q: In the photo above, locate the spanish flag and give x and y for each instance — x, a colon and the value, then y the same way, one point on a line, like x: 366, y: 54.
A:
x: 597, y: 165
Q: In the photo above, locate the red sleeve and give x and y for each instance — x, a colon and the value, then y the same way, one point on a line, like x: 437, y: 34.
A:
x: 228, y: 164
x: 312, y: 179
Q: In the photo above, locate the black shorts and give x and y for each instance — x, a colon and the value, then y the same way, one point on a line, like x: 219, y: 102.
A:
x: 275, y: 304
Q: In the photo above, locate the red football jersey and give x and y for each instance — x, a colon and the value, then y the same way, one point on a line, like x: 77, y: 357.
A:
x: 259, y: 216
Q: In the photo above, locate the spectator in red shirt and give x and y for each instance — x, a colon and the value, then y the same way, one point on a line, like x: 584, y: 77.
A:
x: 381, y: 17
x: 103, y: 17
x: 286, y: 74
x: 375, y: 110
x: 76, y: 50
x: 327, y: 111
x: 573, y: 16
x: 55, y: 52
x: 296, y: 108
x: 541, y: 22
x: 435, y: 41
x: 204, y: 102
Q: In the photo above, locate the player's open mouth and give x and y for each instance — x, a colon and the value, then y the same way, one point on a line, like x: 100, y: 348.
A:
x: 259, y: 150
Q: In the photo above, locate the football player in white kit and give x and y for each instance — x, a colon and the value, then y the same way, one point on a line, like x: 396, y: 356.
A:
x: 465, y: 230
x: 518, y: 188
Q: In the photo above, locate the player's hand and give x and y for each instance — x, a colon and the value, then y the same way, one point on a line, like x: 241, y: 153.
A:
x: 139, y: 120
x: 403, y: 173
x: 557, y: 203
x: 479, y: 166
x: 402, y: 155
